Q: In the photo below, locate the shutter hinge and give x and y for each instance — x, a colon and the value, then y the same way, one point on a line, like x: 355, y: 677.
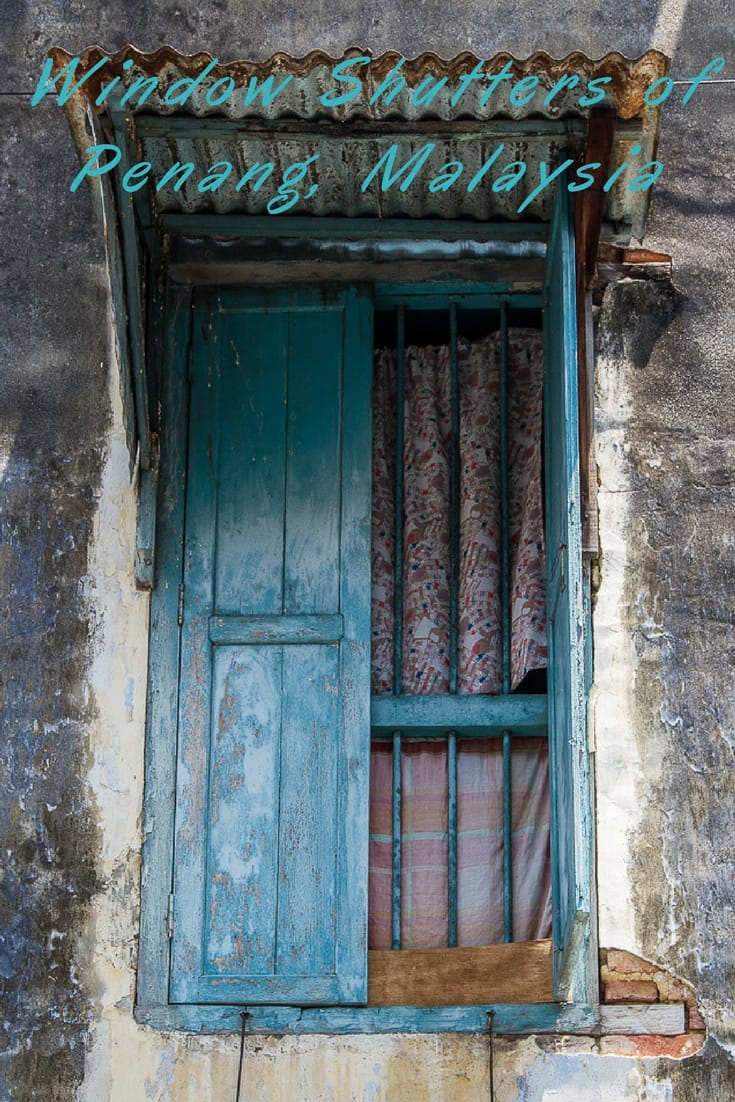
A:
x: 170, y: 916
x: 180, y: 609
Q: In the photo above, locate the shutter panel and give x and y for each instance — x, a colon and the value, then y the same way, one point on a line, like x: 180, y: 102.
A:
x: 270, y: 877
x: 570, y: 816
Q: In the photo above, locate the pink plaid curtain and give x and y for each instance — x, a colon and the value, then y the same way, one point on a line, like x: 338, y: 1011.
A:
x: 426, y: 657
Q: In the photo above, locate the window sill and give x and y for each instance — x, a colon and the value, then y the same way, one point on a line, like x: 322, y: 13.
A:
x: 516, y: 1018
x: 663, y: 1019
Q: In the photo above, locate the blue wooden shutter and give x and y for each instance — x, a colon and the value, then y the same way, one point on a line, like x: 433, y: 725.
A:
x: 570, y: 818
x: 270, y: 877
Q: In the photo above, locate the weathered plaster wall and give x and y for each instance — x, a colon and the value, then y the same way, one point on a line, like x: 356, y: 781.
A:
x: 73, y: 669
x: 666, y: 448
x: 54, y: 416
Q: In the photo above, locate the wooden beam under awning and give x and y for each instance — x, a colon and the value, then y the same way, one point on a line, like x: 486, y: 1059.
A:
x: 588, y: 214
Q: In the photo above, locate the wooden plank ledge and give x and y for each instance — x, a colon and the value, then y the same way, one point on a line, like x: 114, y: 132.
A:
x: 519, y: 972
x: 641, y: 1019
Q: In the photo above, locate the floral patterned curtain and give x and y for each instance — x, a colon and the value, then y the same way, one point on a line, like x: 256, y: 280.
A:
x: 426, y: 635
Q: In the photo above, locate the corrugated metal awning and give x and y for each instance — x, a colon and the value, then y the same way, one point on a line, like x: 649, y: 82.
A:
x: 437, y: 104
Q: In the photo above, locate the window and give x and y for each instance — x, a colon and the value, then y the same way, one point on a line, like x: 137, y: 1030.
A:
x: 464, y: 506
x: 264, y: 546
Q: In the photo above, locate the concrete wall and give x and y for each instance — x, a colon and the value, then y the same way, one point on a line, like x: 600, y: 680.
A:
x: 74, y: 662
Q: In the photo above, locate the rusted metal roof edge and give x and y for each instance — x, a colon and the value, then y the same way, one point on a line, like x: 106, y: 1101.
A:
x: 629, y: 77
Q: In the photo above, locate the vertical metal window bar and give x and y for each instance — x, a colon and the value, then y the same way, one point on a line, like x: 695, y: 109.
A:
x: 507, y: 840
x: 397, y: 837
x: 398, y: 552
x: 504, y: 505
x: 454, y: 503
x: 452, y: 840
x: 454, y: 509
x: 398, y: 622
x: 505, y: 592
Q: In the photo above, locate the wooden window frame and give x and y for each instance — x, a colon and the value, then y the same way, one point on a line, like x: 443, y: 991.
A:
x: 517, y: 977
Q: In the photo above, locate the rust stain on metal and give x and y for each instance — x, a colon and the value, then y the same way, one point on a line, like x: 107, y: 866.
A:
x: 630, y: 77
x: 351, y: 139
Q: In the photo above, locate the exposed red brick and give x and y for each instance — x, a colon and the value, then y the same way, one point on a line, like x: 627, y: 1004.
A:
x: 673, y: 990
x: 696, y: 1021
x: 645, y: 256
x: 620, y: 961
x: 631, y: 991
x: 686, y: 1044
